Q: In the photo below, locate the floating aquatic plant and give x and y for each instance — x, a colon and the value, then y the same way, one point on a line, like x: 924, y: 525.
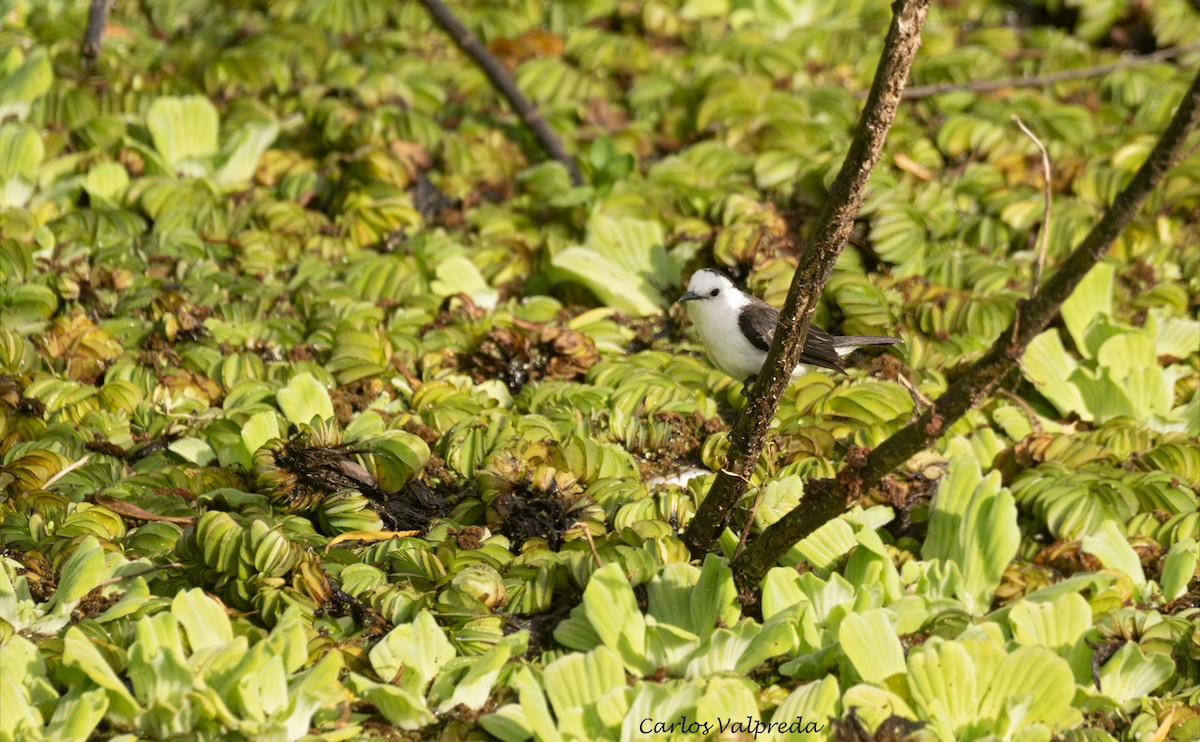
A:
x: 329, y: 408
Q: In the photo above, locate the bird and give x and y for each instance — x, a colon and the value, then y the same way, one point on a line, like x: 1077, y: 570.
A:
x: 736, y: 330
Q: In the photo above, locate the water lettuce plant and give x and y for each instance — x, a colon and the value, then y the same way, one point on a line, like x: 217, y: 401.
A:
x: 330, y: 409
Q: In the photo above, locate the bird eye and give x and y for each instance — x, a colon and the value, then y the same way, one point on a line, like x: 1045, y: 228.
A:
x: 714, y: 292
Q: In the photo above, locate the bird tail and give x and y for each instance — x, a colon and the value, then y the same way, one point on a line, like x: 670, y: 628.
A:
x: 857, y: 341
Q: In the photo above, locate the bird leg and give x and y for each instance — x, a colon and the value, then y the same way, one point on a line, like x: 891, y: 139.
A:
x: 749, y: 382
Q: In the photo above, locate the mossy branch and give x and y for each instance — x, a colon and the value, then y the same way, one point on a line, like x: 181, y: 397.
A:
x: 982, y: 379
x: 830, y: 234
x: 503, y: 82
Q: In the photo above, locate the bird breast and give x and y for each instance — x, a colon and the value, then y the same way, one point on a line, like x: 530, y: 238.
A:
x: 724, y: 344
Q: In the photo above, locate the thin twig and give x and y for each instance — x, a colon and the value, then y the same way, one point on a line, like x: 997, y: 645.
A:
x: 587, y: 533
x: 914, y: 392
x: 749, y: 523
x: 67, y: 470
x: 919, y: 92
x: 1044, y: 231
x: 503, y: 82
x: 139, y: 573
x: 1035, y: 424
x: 736, y: 475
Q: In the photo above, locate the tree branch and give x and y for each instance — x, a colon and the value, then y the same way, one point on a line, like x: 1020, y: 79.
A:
x: 93, y: 34
x: 832, y: 230
x: 918, y: 92
x: 503, y: 82
x: 981, y: 380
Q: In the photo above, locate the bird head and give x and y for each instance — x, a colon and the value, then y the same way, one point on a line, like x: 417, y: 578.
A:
x: 710, y: 288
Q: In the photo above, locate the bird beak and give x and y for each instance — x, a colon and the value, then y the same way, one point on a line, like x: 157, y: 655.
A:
x: 690, y: 296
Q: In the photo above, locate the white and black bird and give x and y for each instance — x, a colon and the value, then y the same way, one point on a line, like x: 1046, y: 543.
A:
x: 736, y: 329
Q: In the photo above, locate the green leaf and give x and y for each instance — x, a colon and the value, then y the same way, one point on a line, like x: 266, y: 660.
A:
x: 1103, y: 397
x: 20, y: 660
x: 260, y: 428
x: 577, y: 681
x: 942, y: 679
x: 974, y: 525
x: 80, y: 653
x: 107, y: 181
x: 475, y: 686
x: 1044, y: 677
x: 817, y: 701
x: 624, y: 263
x: 714, y: 597
x: 82, y: 572
x: 194, y: 450
x: 1179, y: 568
x: 693, y: 599
x: 398, y: 457
x: 507, y: 723
x: 458, y: 275
x: 316, y: 688
x: 533, y: 703
x: 303, y: 399
x: 21, y: 152
x: 420, y: 647
x: 239, y: 156
x: 184, y: 131
x: 1048, y: 365
x: 825, y: 546
x: 202, y: 618
x: 870, y: 642
x: 611, y: 609
x: 669, y: 647
x: 1108, y: 544
x: 1177, y: 336
x: 1130, y: 675
x: 1056, y: 625
x: 776, y: 638
x: 157, y: 667
x: 669, y: 595
x: 664, y: 703
x: 1092, y: 298
x: 28, y: 82
x: 77, y: 714
x: 727, y: 698
x: 400, y: 706
x: 780, y: 591
x: 1125, y: 353
x: 875, y: 705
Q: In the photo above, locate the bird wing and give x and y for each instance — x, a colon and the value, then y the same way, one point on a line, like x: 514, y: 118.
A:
x: 758, y: 320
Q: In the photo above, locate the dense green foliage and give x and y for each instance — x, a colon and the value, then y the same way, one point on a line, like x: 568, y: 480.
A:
x: 330, y: 407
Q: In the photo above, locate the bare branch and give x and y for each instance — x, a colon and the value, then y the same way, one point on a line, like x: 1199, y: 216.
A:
x: 503, y: 82
x: 1044, y: 232
x: 587, y: 532
x: 749, y: 525
x: 833, y: 228
x: 93, y: 34
x: 918, y: 92
x: 824, y: 497
x: 67, y: 470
